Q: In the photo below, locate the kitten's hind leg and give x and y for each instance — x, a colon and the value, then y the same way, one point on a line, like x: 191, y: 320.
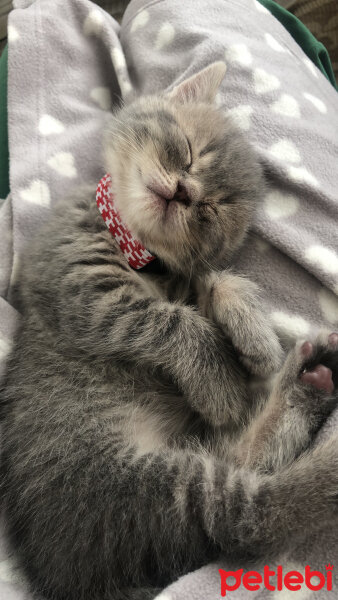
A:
x: 124, y: 521
x: 303, y: 395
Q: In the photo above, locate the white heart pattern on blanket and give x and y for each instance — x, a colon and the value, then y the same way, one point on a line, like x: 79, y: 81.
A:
x: 272, y: 42
x: 125, y: 86
x: 63, y: 163
x: 278, y: 205
x: 241, y: 116
x: 265, y: 82
x: 325, y: 258
x: 9, y: 570
x: 328, y: 302
x: 118, y: 59
x: 285, y: 150
x: 12, y: 34
x: 140, y: 21
x: 319, y: 104
x: 239, y: 53
x: 102, y: 96
x: 164, y: 596
x: 302, y: 175
x: 15, y: 269
x: 165, y: 36
x: 93, y: 23
x: 286, y: 105
x: 37, y: 193
x: 260, y: 7
x: 309, y: 64
x: 48, y: 125
x: 5, y: 347
x: 290, y: 326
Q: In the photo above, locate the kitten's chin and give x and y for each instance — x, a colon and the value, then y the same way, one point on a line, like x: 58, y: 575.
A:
x: 167, y: 214
x: 150, y: 217
x: 159, y: 225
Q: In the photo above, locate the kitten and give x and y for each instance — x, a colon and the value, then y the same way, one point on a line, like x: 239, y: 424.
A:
x: 134, y: 446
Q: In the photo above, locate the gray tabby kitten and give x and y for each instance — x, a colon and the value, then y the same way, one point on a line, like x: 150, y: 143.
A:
x: 134, y: 446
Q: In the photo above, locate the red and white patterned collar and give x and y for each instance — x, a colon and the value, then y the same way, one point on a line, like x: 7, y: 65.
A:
x: 136, y: 254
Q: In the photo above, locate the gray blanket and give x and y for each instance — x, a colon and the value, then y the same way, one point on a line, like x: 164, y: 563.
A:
x: 69, y: 62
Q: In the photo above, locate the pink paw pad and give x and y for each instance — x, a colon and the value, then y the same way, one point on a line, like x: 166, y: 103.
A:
x: 333, y: 339
x: 306, y: 349
x: 320, y: 377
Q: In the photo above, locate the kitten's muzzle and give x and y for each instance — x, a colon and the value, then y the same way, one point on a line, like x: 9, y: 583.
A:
x: 180, y: 195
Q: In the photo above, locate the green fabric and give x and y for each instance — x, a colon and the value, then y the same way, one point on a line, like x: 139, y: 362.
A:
x: 312, y: 48
x: 4, y: 156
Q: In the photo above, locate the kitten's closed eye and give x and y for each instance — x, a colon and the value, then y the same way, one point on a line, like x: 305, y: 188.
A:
x: 205, y: 211
x: 231, y: 199
x: 190, y: 154
x: 211, y: 147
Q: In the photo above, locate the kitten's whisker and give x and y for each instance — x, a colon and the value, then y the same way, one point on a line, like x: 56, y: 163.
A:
x: 127, y: 141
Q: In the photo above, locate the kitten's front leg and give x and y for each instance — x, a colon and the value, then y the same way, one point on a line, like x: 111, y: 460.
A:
x: 188, y: 348
x: 303, y: 395
x: 232, y: 302
x: 114, y: 320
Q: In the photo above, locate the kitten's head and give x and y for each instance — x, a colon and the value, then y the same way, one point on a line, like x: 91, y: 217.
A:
x: 186, y: 181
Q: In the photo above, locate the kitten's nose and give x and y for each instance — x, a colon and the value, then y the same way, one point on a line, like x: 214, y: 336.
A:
x: 181, y: 195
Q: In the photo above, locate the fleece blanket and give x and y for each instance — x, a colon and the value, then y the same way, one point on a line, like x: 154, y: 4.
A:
x: 70, y: 62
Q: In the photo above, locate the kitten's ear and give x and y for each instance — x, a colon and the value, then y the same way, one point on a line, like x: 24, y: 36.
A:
x: 201, y: 87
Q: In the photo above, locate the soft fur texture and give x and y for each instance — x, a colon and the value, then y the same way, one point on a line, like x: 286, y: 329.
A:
x: 137, y: 443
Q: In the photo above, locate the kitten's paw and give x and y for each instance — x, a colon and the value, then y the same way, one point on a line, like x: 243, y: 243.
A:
x: 263, y: 354
x: 320, y: 362
x: 319, y: 377
x: 235, y: 306
x: 310, y: 374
